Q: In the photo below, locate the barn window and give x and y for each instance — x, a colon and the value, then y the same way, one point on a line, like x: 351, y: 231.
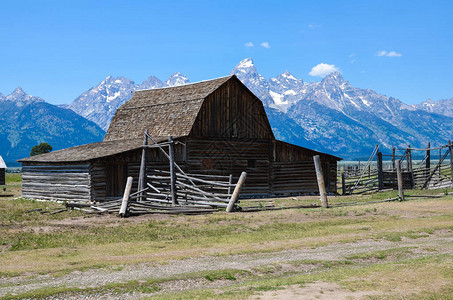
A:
x: 251, y: 163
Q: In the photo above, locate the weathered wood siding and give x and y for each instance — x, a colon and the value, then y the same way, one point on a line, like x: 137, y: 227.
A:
x: 102, y: 181
x: 225, y: 157
x: 293, y: 170
x: 232, y: 111
x: 57, y: 181
x: 2, y: 176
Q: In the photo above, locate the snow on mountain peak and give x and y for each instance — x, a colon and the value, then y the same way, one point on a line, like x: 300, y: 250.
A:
x: 177, y: 79
x: 18, y: 93
x: 288, y: 75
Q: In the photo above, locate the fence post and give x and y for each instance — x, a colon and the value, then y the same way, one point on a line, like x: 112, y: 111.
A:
x: 125, y: 202
x: 142, y: 175
x: 428, y: 161
x: 380, y: 174
x: 450, y: 147
x: 237, y: 190
x: 399, y: 176
x: 409, y: 162
x: 174, y: 195
x: 343, y: 184
x: 393, y: 159
x: 320, y: 177
x: 440, y: 161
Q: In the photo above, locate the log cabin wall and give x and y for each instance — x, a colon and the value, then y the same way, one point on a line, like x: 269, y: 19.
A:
x: 57, y: 181
x: 293, y: 170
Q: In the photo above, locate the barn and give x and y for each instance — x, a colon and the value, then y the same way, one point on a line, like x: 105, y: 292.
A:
x: 219, y: 127
x: 2, y: 171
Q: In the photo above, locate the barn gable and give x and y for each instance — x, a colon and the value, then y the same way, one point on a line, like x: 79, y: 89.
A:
x: 222, y: 107
x: 232, y: 111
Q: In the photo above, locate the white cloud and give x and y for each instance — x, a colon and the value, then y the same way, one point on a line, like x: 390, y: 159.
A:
x: 394, y: 54
x: 352, y: 55
x: 388, y: 54
x: 265, y: 45
x: 322, y: 69
x: 313, y: 26
x: 249, y: 44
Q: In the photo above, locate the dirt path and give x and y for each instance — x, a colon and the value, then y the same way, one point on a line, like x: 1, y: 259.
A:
x: 442, y: 241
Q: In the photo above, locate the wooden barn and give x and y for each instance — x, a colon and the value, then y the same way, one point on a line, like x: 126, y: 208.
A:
x: 220, y: 127
x: 2, y: 171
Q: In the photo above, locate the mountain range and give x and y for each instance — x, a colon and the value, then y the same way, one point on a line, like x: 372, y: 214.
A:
x: 26, y: 121
x: 330, y: 116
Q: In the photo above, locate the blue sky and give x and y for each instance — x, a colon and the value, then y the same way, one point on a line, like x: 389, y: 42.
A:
x: 59, y: 49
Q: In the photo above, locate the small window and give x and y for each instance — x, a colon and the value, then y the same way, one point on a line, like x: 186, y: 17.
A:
x: 251, y: 163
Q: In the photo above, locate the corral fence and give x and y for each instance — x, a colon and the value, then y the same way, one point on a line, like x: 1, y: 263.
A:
x: 380, y: 171
x: 173, y: 190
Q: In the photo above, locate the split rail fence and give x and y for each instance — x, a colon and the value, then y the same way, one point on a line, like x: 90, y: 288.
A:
x: 424, y: 174
x: 175, y: 191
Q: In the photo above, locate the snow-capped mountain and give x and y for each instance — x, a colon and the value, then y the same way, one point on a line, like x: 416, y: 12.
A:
x: 441, y: 107
x: 176, y: 79
x: 99, y: 103
x: 330, y: 115
x: 344, y: 119
x: 26, y: 121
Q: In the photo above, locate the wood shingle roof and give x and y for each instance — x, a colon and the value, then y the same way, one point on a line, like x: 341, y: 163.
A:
x: 164, y: 112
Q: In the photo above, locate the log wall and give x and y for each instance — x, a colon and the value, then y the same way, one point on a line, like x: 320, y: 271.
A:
x: 69, y: 182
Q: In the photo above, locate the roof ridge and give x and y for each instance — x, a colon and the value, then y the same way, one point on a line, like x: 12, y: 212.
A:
x: 186, y: 84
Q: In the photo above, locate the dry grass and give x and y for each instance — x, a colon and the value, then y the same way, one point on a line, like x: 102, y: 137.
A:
x: 35, y: 243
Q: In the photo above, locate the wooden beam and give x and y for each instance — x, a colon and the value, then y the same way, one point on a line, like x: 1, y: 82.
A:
x: 174, y: 194
x: 399, y: 176
x: 450, y: 148
x: 142, y: 175
x: 125, y: 202
x: 428, y: 161
x: 380, y: 175
x: 237, y: 190
x: 320, y: 178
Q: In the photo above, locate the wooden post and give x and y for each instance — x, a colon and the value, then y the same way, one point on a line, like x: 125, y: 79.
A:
x: 380, y: 174
x: 450, y: 147
x: 174, y: 195
x: 343, y: 184
x: 440, y: 161
x: 125, y: 202
x: 409, y: 164
x: 320, y: 177
x: 428, y: 161
x: 142, y: 175
x: 230, y: 181
x: 237, y: 190
x: 399, y: 176
x: 409, y: 158
x: 393, y: 159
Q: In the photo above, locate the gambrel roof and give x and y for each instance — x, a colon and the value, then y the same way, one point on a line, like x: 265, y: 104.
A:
x: 164, y: 112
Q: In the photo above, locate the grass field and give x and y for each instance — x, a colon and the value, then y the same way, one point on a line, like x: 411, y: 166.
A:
x: 371, y: 251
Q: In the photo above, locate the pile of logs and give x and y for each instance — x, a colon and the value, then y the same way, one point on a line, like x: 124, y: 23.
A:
x: 196, y: 194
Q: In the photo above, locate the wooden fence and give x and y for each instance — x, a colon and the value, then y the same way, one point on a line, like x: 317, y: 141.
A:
x: 420, y: 175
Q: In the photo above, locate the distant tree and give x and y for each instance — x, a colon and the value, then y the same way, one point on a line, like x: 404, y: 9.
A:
x: 40, y: 149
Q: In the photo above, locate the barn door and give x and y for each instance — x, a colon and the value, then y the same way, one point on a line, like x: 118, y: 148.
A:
x: 116, y: 178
